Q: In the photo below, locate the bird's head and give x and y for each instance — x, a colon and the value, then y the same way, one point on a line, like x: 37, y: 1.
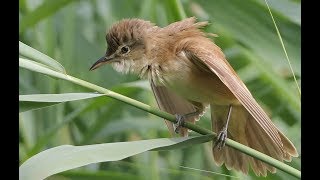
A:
x: 126, y: 44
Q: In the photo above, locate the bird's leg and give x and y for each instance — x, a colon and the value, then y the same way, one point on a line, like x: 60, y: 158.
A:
x: 221, y: 139
x: 181, y: 118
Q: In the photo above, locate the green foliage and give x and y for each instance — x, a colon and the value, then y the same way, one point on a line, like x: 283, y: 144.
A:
x: 37, y: 101
x: 65, y: 157
x: 73, y: 33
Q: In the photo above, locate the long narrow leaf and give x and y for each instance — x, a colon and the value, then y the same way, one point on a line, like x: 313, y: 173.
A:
x: 68, y: 157
x: 41, y: 68
x: 57, y: 97
x: 36, y: 55
x: 36, y: 101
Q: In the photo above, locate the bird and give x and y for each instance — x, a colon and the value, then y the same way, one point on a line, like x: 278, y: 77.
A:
x: 188, y: 73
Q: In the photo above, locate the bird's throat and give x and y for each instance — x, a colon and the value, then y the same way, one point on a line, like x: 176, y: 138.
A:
x: 144, y: 69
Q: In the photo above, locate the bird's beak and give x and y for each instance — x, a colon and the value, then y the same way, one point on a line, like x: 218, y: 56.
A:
x: 101, y: 61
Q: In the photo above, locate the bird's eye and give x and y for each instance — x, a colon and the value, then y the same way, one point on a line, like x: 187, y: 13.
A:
x: 125, y: 49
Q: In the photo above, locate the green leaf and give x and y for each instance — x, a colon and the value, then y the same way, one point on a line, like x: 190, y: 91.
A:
x: 36, y: 55
x: 44, y: 10
x: 66, y: 157
x: 37, y: 101
x: 41, y: 68
x: 57, y: 97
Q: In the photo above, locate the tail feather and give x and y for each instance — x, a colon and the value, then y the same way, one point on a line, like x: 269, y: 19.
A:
x: 255, y: 141
x: 244, y: 129
x: 229, y: 158
x: 261, y: 142
x: 219, y: 157
x: 243, y: 163
x: 289, y: 147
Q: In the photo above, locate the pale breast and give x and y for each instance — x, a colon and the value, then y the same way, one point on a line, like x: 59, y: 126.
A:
x: 183, y: 77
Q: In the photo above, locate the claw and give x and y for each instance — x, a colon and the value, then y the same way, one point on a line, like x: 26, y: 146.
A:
x: 180, y: 121
x: 221, y: 139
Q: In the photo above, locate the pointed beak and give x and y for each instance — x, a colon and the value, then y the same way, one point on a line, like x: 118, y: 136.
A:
x: 100, y: 62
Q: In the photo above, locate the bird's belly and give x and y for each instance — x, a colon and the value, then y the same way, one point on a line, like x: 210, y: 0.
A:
x: 200, y: 87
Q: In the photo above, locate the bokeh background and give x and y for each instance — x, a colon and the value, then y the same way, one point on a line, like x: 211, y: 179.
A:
x: 73, y: 33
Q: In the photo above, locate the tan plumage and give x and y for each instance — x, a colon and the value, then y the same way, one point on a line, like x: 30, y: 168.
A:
x: 187, y: 71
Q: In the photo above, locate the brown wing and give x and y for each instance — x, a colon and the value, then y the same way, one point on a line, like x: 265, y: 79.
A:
x: 170, y: 102
x: 211, y: 56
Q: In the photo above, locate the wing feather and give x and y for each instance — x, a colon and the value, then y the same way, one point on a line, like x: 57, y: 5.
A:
x: 211, y: 58
x: 220, y: 67
x: 172, y: 103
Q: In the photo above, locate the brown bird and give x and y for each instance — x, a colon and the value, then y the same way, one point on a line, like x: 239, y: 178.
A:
x: 187, y: 73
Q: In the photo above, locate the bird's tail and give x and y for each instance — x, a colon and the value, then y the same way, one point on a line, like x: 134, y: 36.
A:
x: 244, y: 129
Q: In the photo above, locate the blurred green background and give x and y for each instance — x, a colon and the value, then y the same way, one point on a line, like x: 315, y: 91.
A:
x: 73, y: 32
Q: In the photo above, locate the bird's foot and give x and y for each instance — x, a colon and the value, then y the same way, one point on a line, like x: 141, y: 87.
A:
x: 221, y: 139
x: 180, y: 121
